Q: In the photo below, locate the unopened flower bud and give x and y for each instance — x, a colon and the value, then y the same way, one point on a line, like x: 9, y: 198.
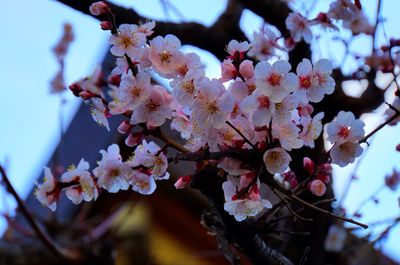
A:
x: 76, y: 89
x: 308, y: 165
x: 106, y: 25
x: 125, y: 127
x: 99, y: 8
x: 114, y: 80
x: 134, y: 139
x: 317, y: 187
x: 86, y: 95
x: 183, y: 182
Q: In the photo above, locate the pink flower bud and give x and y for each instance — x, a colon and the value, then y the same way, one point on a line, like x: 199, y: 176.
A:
x: 86, y: 95
x: 125, y: 127
x: 317, y: 188
x: 183, y: 182
x: 325, y: 169
x: 106, y: 25
x: 246, y: 69
x: 99, y: 8
x: 254, y: 193
x: 324, y: 178
x: 134, y: 139
x: 308, y: 165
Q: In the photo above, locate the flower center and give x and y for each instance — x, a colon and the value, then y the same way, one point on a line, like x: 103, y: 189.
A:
x: 274, y: 79
x: 305, y: 82
x: 165, y: 57
x: 264, y: 102
x: 344, y: 132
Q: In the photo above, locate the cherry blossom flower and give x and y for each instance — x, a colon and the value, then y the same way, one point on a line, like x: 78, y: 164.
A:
x: 122, y: 67
x: 149, y: 156
x: 213, y: 104
x: 142, y: 183
x: 154, y: 110
x: 343, y: 9
x: 275, y: 81
x: 237, y: 49
x: 249, y: 205
x: 111, y: 173
x: 345, y: 127
x: 287, y: 180
x: 164, y: 54
x: 312, y: 129
x: 228, y: 70
x: 343, y: 153
x: 284, y: 111
x: 128, y: 41
x: 317, y: 187
x: 181, y: 123
x: 131, y: 92
x: 83, y: 185
x: 299, y: 27
x: 232, y: 166
x: 314, y: 84
x: 288, y: 135
x: 99, y: 112
x: 264, y: 44
x: 276, y: 160
x: 336, y: 238
x: 259, y: 107
x: 187, y: 87
x: 188, y: 61
x: 146, y: 28
x: 48, y: 192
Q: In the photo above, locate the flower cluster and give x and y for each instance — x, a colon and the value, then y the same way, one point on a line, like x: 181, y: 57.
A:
x: 344, y: 132
x: 260, y: 106
x: 349, y: 13
x: 146, y: 165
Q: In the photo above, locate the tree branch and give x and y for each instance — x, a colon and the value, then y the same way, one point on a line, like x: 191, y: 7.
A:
x: 212, y: 39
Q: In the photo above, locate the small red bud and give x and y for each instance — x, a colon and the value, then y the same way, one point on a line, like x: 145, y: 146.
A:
x: 308, y: 165
x: 76, y: 89
x: 106, y: 25
x: 114, y: 80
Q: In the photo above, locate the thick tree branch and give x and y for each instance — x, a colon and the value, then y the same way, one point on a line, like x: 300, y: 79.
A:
x: 212, y: 39
x: 241, y: 233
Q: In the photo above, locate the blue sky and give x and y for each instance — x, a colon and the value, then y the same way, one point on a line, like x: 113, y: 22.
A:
x: 29, y: 114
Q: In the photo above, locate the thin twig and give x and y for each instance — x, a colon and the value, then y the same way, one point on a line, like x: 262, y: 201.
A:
x: 395, y: 116
x: 286, y: 203
x: 309, y: 205
x: 241, y: 134
x: 45, y: 239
